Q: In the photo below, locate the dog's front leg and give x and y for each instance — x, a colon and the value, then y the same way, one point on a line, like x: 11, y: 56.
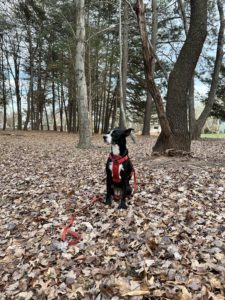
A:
x: 122, y: 204
x: 108, y: 188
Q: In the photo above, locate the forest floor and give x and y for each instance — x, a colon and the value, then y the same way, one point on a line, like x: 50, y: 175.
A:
x: 168, y: 244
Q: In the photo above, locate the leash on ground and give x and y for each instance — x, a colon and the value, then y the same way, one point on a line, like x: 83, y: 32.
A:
x: 67, y: 230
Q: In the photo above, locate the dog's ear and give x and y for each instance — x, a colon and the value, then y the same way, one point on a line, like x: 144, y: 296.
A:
x: 127, y: 132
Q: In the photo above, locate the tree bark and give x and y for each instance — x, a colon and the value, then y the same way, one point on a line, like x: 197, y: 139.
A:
x: 30, y: 95
x: 108, y: 108
x: 53, y: 102
x: 124, y: 64
x: 149, y: 100
x: 115, y: 103
x: 148, y: 57
x: 174, y: 124
x: 4, y: 100
x: 191, y: 99
x: 89, y: 77
x: 25, y: 127
x: 215, y: 76
x: 70, y: 100
x: 17, y: 89
x: 82, y: 99
x: 180, y: 80
x: 147, y: 116
x: 191, y: 108
x: 15, y: 50
x: 10, y: 92
x: 46, y: 117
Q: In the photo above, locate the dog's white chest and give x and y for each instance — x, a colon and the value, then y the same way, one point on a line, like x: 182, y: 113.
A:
x: 115, y: 149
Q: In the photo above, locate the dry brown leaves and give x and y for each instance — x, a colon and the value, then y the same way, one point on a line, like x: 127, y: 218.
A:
x: 169, y: 244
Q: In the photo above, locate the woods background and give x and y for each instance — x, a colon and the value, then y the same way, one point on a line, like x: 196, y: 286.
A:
x: 39, y: 53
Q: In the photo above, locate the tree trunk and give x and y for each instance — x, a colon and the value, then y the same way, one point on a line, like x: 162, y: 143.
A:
x: 25, y: 127
x: 10, y: 92
x: 82, y: 99
x: 215, y: 77
x: 148, y: 57
x: 75, y: 126
x: 147, y: 116
x: 180, y: 80
x: 115, y: 103
x: 174, y: 125
x: 53, y: 102
x: 70, y: 101
x: 40, y: 94
x: 149, y: 100
x: 191, y: 110
x: 4, y: 101
x: 108, y: 110
x: 124, y: 64
x: 17, y: 89
x: 30, y: 97
x: 46, y: 116
x: 191, y: 99
x: 89, y: 78
x: 62, y: 106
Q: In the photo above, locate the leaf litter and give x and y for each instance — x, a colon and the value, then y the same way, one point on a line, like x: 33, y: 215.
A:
x: 168, y: 244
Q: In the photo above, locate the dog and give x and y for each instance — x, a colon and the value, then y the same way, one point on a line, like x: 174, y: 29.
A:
x: 119, y: 168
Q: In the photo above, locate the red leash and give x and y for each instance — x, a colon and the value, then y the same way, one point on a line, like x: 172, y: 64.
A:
x: 67, y: 229
x: 135, y: 182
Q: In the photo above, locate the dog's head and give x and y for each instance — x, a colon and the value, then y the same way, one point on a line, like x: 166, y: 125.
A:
x: 117, y: 136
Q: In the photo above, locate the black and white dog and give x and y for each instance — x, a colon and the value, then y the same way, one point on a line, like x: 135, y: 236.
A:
x: 119, y: 168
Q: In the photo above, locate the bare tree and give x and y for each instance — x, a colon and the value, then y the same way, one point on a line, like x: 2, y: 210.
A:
x: 175, y: 133
x: 81, y: 86
x: 149, y: 100
x: 148, y: 58
x: 198, y: 125
x: 123, y: 62
x: 3, y: 99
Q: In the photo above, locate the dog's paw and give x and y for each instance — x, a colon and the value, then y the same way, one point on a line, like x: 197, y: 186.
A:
x: 122, y: 205
x: 108, y: 201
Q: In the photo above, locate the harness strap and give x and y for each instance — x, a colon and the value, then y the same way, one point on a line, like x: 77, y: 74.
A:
x: 117, y: 160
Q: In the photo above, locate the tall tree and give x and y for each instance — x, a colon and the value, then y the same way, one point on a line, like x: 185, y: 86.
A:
x: 3, y: 100
x: 148, y: 58
x: 149, y: 100
x: 83, y: 114
x: 177, y: 137
x: 124, y: 30
x: 16, y: 75
x: 215, y: 76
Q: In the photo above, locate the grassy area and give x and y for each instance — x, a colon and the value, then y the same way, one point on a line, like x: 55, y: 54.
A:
x: 214, y: 135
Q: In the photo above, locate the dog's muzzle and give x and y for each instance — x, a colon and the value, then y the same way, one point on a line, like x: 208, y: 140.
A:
x: 107, y: 139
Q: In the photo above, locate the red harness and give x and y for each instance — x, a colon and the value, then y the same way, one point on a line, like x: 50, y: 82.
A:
x: 117, y: 160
